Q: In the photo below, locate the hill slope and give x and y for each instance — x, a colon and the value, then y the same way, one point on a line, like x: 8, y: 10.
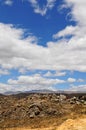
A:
x: 40, y: 110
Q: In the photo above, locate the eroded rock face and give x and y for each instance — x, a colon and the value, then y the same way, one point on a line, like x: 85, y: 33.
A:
x: 34, y: 110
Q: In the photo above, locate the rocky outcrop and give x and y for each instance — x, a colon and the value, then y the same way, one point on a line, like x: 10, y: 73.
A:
x: 17, y: 110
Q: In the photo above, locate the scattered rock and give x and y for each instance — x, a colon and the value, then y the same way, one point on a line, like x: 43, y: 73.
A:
x: 20, y: 108
x: 62, y: 97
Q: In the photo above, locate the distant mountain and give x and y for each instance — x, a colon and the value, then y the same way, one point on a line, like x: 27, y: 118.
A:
x: 42, y: 91
x: 31, y: 91
x: 1, y: 94
x: 12, y: 92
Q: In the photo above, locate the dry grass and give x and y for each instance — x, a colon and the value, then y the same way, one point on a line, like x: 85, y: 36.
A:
x: 51, y: 128
x: 69, y: 124
x: 15, y: 114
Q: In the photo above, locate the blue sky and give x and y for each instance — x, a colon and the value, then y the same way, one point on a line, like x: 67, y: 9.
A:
x: 21, y: 14
x: 42, y: 45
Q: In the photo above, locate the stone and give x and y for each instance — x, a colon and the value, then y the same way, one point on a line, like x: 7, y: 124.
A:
x: 62, y: 97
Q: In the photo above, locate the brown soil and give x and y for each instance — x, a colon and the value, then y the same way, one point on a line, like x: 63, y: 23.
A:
x: 42, y: 112
x: 70, y: 124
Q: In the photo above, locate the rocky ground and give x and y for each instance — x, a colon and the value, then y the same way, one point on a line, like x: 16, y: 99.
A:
x: 28, y: 111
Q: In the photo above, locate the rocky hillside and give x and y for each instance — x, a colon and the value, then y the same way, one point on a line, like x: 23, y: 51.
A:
x: 40, y: 110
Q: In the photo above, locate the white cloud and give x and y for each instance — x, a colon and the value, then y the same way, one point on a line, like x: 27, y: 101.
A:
x: 42, y: 10
x: 35, y: 80
x: 65, y: 54
x: 48, y: 74
x: 71, y: 80
x: 4, y: 72
x: 60, y: 73
x: 78, y: 10
x: 27, y: 83
x: 8, y: 2
x: 26, y: 54
x: 81, y: 80
x: 18, y: 53
x: 69, y: 30
x: 81, y: 88
x: 5, y: 87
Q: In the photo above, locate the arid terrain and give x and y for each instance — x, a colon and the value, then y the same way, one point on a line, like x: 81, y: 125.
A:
x: 70, y: 124
x: 48, y: 111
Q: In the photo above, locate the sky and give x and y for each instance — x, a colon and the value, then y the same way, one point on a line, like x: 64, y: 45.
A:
x: 42, y: 45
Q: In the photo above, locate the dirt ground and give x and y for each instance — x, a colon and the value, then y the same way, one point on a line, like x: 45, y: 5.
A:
x: 43, y: 112
x: 69, y: 124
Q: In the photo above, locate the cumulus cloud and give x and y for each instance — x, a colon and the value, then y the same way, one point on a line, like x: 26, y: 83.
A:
x: 81, y: 80
x: 42, y: 10
x: 19, y: 53
x: 25, y: 54
x: 35, y: 80
x: 78, y: 10
x: 57, y: 73
x: 71, y: 80
x: 80, y: 88
x: 4, y: 72
x: 16, y: 52
x: 27, y: 83
x: 5, y: 87
x: 68, y: 31
x: 77, y: 41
